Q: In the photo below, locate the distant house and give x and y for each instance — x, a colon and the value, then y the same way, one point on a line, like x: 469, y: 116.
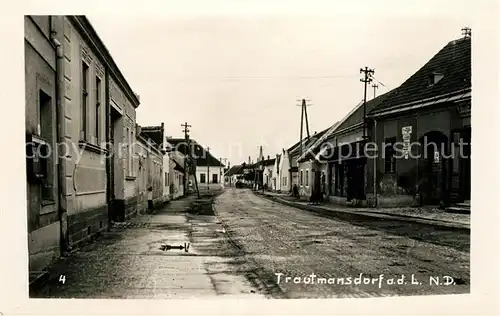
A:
x: 148, y: 169
x: 308, y: 172
x: 275, y: 174
x: 268, y: 171
x: 208, y: 168
x: 431, y: 108
x: 232, y: 175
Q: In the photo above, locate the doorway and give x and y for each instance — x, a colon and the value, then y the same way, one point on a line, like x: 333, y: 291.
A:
x: 434, y: 174
x: 115, y: 118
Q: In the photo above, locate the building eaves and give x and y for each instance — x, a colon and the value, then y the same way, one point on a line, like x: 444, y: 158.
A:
x: 86, y: 29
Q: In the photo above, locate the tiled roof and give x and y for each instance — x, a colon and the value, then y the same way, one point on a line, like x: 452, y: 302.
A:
x: 202, y: 157
x: 356, y: 116
x: 178, y: 167
x: 238, y: 169
x: 351, y: 119
x: 453, y: 62
x: 155, y: 133
x: 307, y: 143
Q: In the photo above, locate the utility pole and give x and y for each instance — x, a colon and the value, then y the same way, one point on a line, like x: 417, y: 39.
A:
x: 188, y: 154
x: 366, y: 80
x: 208, y: 168
x: 375, y: 87
x: 303, y: 115
x: 189, y: 167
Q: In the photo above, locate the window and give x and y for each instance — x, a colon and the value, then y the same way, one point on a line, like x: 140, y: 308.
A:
x: 301, y: 179
x: 85, y: 94
x: 45, y: 123
x: 389, y: 155
x: 307, y: 178
x: 434, y: 78
x: 97, y: 109
x: 202, y: 178
x: 214, y: 178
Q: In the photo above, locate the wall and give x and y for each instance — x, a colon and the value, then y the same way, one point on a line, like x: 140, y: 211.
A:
x: 305, y: 188
x: 85, y: 171
x: 176, y: 177
x: 400, y: 187
x: 268, y: 175
x: 42, y: 215
x: 212, y: 170
x: 149, y: 164
x: 276, y: 175
x: 285, y: 176
x: 166, y: 178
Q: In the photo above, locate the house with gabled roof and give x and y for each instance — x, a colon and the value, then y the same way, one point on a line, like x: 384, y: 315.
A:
x: 208, y: 168
x: 341, y: 157
x: 275, y: 179
x: 423, y: 132
x: 308, y: 171
x: 232, y: 175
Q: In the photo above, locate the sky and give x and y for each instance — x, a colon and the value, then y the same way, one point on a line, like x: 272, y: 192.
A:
x: 238, y: 78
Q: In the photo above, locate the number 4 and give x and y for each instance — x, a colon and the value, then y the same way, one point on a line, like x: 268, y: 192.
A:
x: 62, y: 278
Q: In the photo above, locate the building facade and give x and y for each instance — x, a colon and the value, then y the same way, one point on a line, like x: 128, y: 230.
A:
x: 428, y: 117
x: 275, y: 174
x: 43, y: 196
x: 81, y: 128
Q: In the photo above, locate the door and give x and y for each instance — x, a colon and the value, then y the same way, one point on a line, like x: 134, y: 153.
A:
x: 435, y: 168
x: 114, y: 119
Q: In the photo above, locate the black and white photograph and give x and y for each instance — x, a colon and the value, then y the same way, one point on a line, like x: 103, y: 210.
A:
x: 258, y: 155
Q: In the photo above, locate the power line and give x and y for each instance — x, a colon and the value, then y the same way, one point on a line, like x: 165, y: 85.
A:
x: 265, y: 78
x: 373, y: 77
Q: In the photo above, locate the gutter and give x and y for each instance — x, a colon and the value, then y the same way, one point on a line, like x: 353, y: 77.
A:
x: 60, y: 132
x: 423, y: 103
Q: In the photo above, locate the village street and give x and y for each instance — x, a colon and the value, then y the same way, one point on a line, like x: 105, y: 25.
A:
x: 241, y: 243
x: 281, y: 239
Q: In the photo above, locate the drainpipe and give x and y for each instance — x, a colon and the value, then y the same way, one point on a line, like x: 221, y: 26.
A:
x: 110, y: 149
x: 375, y: 185
x: 60, y: 132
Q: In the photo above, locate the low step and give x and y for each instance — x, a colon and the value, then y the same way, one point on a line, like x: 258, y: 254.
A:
x: 457, y: 209
x: 464, y: 205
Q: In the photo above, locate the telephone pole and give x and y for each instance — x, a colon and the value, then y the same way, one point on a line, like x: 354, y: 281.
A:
x: 303, y: 116
x: 366, y: 80
x: 188, y: 155
x: 189, y: 167
x: 375, y: 87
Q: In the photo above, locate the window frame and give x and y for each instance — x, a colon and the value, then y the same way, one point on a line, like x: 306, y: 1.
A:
x: 85, y: 70
x: 98, y: 91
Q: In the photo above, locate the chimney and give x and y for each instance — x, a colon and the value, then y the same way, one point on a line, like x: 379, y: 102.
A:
x: 268, y: 157
x: 249, y: 161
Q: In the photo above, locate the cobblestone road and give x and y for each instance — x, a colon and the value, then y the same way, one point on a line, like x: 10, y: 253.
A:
x: 279, y: 239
